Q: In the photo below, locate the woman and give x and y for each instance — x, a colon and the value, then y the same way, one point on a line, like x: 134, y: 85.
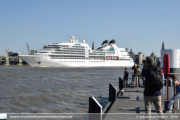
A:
x: 176, y: 93
x: 126, y: 73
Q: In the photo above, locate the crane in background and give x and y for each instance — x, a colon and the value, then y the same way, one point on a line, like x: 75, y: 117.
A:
x: 28, y: 50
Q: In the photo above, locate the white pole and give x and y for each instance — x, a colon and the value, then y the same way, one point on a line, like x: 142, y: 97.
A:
x: 163, y: 84
x: 171, y: 88
x: 177, y: 103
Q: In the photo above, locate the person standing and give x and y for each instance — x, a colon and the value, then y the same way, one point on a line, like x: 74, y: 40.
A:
x: 136, y: 72
x: 138, y: 75
x: 158, y: 66
x: 144, y: 68
x: 152, y: 92
x: 176, y: 96
x: 126, y: 74
x: 132, y: 80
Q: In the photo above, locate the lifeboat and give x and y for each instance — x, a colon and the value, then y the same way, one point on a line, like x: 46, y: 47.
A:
x: 108, y: 57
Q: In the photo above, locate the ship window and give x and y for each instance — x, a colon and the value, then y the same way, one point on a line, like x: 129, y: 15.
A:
x: 99, y: 48
x: 111, y: 51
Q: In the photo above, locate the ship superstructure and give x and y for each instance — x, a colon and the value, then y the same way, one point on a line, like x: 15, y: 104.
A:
x: 75, y: 54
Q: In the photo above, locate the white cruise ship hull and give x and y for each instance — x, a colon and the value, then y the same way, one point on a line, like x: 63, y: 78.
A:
x: 46, y: 61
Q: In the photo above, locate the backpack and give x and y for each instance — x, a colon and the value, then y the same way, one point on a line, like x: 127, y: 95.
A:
x: 154, y: 80
x: 135, y: 72
x: 126, y: 74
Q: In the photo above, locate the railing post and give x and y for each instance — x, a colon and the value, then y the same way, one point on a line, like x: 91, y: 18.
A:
x: 95, y: 109
x: 94, y: 106
x: 120, y: 84
x: 112, y: 93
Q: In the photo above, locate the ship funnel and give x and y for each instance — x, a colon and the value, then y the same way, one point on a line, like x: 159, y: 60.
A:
x: 105, y: 42
x: 112, y: 41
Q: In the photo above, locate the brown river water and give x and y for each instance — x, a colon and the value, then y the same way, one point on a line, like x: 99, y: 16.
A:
x: 54, y: 90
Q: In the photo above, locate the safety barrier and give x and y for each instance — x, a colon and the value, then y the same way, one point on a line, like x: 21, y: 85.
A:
x: 95, y: 109
x: 112, y: 93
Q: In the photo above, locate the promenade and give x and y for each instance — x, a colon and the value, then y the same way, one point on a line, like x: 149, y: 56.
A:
x: 132, y: 101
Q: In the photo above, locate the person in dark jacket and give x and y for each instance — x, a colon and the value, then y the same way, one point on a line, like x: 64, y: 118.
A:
x: 132, y: 80
x: 126, y: 74
x: 144, y: 68
x: 149, y: 95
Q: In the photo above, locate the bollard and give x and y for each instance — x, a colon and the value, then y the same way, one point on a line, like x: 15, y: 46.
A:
x: 122, y: 92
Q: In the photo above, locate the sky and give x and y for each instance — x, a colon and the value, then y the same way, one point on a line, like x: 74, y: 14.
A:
x: 140, y: 25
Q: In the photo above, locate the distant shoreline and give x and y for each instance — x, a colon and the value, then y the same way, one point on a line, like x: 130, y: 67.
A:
x: 15, y: 65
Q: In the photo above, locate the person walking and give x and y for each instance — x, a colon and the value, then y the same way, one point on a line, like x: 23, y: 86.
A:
x: 136, y: 72
x: 126, y: 74
x: 139, y: 75
x: 176, y: 96
x: 152, y: 92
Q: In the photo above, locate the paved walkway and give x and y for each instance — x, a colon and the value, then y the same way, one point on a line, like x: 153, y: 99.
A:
x: 133, y: 102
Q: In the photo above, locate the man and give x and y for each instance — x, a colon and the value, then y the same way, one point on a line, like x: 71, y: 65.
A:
x: 144, y: 68
x: 125, y: 78
x: 150, y: 96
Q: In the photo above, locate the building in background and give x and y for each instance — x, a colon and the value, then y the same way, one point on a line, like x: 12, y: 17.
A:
x: 93, y: 45
x: 131, y: 54
x: 174, y: 59
x: 11, y: 58
x: 33, y: 51
x: 137, y: 58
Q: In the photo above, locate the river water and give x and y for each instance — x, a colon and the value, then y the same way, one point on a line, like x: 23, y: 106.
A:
x: 54, y: 90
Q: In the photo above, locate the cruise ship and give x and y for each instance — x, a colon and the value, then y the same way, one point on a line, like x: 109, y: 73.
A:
x: 75, y: 54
